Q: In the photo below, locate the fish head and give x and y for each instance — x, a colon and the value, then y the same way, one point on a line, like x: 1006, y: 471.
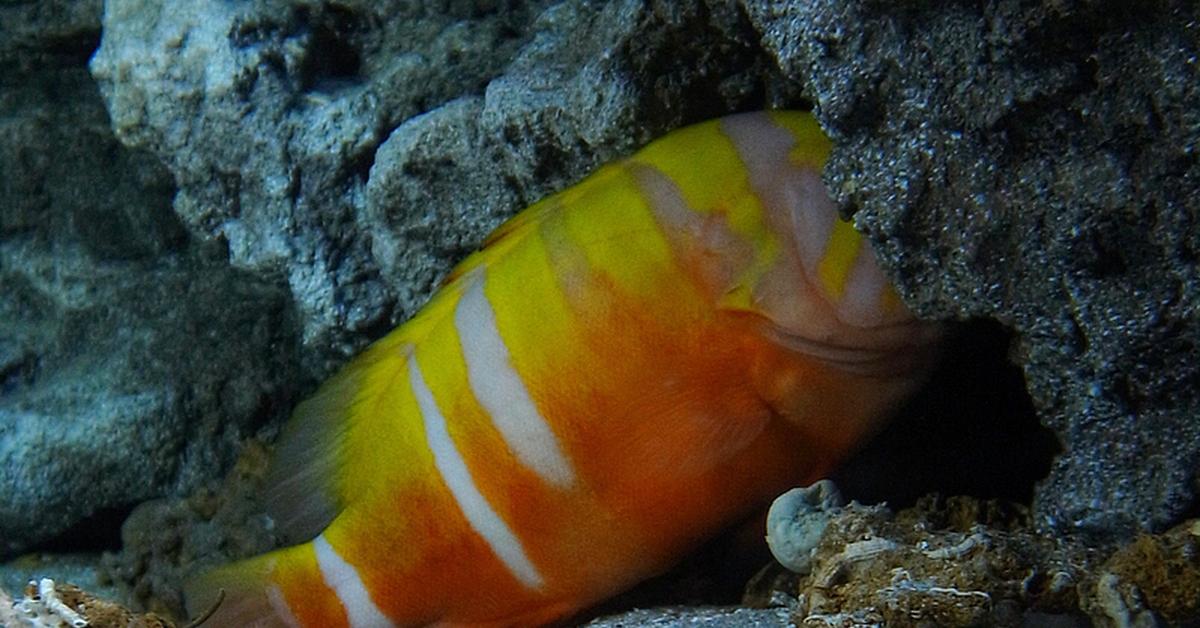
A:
x: 811, y: 275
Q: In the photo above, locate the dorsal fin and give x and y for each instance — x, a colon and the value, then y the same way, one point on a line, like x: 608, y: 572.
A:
x: 303, y: 494
x: 303, y: 484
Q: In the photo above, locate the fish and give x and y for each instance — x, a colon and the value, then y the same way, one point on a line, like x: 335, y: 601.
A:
x: 623, y: 370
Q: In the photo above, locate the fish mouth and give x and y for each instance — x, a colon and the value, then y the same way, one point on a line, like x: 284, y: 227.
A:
x: 900, y: 349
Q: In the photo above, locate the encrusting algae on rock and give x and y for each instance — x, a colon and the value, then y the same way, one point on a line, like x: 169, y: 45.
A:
x: 962, y: 561
x: 936, y: 564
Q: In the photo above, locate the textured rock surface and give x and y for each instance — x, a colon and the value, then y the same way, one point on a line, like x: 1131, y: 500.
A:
x: 268, y: 115
x: 968, y: 562
x: 164, y: 540
x: 684, y: 617
x: 131, y: 362
x: 290, y: 128
x: 1036, y: 163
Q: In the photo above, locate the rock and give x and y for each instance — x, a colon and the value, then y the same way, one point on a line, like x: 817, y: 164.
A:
x: 132, y: 362
x: 1155, y: 580
x: 147, y: 387
x: 1036, y: 165
x: 726, y: 617
x: 796, y: 521
x: 292, y: 128
x: 164, y: 541
x: 269, y: 114
x: 956, y: 562
x: 36, y: 36
x: 969, y: 562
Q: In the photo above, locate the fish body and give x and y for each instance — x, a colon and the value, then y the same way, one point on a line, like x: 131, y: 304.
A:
x: 624, y: 369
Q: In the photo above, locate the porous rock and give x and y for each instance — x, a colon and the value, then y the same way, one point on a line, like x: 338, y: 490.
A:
x: 969, y: 562
x: 131, y: 361
x: 955, y: 562
x: 293, y: 131
x: 268, y: 115
x: 1035, y: 163
x: 725, y: 617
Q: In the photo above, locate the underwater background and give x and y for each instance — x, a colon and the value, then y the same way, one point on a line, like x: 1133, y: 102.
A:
x: 207, y: 207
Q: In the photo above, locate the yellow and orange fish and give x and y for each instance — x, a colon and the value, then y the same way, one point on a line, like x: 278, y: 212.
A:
x: 626, y: 368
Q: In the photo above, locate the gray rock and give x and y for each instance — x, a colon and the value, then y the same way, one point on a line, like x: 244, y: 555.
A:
x: 796, y: 521
x: 1035, y: 164
x: 683, y: 617
x: 268, y: 115
x: 142, y: 386
x: 571, y: 100
x: 131, y: 361
x: 292, y: 128
x: 51, y: 33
